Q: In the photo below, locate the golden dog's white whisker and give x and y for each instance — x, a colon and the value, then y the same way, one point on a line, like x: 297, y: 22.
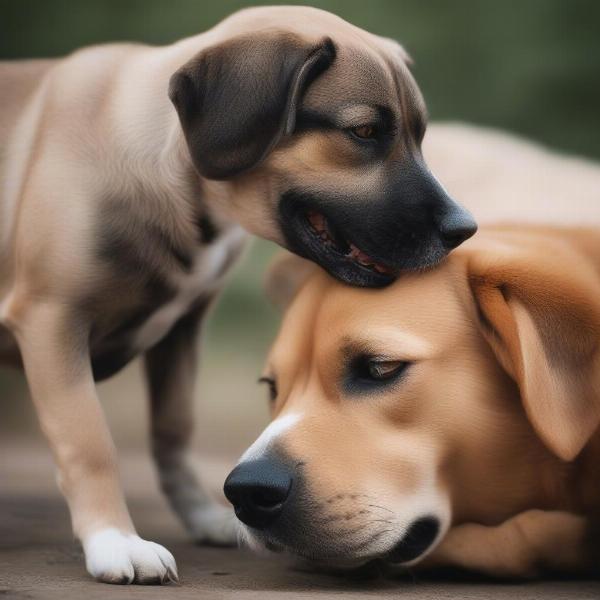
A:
x: 381, y: 508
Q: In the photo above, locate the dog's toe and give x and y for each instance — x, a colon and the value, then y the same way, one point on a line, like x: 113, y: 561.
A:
x: 115, y: 557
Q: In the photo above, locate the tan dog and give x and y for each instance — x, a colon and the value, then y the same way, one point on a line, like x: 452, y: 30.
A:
x: 451, y: 419
x: 125, y: 173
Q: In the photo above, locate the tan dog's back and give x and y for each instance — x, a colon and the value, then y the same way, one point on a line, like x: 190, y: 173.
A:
x: 18, y: 80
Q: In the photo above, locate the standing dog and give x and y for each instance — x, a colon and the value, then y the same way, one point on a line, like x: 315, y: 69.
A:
x: 452, y: 419
x: 126, y: 175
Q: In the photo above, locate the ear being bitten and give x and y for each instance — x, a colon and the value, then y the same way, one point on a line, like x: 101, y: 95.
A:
x: 540, y: 312
x: 237, y: 99
x: 285, y: 276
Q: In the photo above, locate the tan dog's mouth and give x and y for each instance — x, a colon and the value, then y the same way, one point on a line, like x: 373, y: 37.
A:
x: 326, y: 239
x: 331, y: 238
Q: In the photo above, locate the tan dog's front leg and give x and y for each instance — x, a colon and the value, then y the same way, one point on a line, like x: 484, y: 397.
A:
x: 54, y: 349
x: 171, y: 368
x: 525, y: 546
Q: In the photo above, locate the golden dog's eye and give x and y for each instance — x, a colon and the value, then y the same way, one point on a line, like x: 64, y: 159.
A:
x: 368, y: 374
x: 365, y: 132
x: 272, y: 387
x: 382, y: 370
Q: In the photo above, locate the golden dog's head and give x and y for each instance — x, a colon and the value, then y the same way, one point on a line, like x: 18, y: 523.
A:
x: 314, y: 128
x: 454, y: 395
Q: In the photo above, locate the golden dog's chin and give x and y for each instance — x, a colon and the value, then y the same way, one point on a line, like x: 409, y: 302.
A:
x: 263, y: 546
x: 409, y: 548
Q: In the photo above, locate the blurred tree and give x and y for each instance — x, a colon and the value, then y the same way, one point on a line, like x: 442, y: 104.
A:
x: 531, y: 66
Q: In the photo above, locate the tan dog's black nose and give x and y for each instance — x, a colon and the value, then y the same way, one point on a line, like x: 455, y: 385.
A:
x: 456, y: 227
x: 258, y: 490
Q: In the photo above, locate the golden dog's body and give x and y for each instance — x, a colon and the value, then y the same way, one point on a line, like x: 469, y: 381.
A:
x: 477, y: 419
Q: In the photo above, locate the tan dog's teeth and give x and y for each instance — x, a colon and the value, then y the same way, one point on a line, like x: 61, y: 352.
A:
x: 365, y: 260
x: 317, y: 220
x: 319, y: 224
x: 382, y: 269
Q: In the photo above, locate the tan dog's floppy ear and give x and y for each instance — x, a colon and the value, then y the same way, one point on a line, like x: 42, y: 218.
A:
x: 539, y: 310
x: 236, y: 99
x: 285, y: 276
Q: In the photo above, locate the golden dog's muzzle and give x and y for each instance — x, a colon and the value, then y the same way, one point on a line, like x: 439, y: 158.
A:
x: 272, y: 497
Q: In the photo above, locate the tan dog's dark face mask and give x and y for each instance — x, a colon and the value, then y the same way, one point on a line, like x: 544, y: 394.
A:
x: 401, y: 412
x: 317, y: 127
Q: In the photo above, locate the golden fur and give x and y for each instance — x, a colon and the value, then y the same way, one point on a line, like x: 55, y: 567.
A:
x: 493, y: 427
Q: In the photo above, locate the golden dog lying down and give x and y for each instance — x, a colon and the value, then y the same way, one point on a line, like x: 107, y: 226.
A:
x: 448, y: 420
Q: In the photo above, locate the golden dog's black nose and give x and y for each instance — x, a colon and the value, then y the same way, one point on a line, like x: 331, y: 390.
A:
x: 258, y: 490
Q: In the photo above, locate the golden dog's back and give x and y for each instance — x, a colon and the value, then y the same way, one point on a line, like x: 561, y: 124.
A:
x: 503, y: 178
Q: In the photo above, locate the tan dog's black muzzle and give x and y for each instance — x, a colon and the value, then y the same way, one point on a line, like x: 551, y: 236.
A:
x: 369, y: 238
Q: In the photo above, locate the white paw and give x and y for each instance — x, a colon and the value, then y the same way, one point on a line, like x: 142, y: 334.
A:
x: 115, y: 557
x: 213, y: 524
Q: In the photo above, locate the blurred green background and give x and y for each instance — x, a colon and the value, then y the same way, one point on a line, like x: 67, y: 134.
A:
x: 529, y: 66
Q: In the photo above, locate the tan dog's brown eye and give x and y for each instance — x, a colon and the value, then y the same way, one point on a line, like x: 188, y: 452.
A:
x: 365, y: 132
x: 272, y: 387
x: 382, y: 370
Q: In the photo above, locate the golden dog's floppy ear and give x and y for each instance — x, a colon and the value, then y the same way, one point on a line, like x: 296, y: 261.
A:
x: 285, y: 277
x: 540, y: 311
x: 235, y: 100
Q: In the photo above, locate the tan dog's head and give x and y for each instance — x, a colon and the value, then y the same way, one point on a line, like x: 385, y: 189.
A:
x: 316, y: 126
x: 451, y: 396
